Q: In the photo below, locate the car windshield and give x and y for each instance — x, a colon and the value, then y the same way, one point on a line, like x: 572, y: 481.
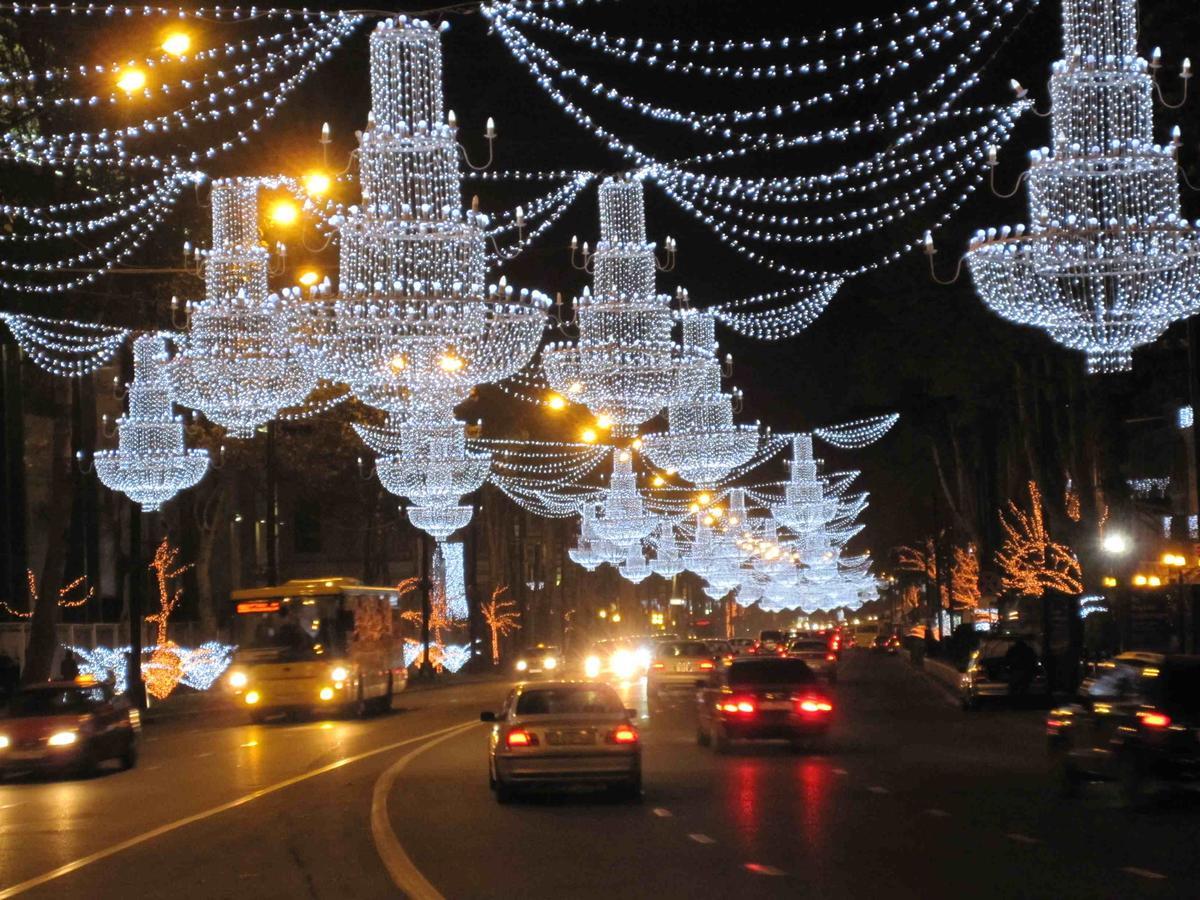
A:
x: 684, y: 649
x: 1181, y: 688
x: 770, y: 671
x: 568, y: 701
x: 808, y: 646
x: 54, y: 702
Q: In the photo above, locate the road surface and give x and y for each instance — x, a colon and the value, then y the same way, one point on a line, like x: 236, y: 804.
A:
x: 910, y: 798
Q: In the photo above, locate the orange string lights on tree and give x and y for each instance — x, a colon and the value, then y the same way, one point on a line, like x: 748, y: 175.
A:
x: 1031, y: 562
x: 165, y: 668
x: 964, y: 578
x: 501, y: 617
x: 63, y: 601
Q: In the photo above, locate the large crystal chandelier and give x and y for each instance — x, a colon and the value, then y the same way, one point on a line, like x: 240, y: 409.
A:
x: 1106, y: 263
x: 624, y: 367
x: 150, y: 464
x: 622, y: 518
x: 805, y: 507
x: 590, y: 550
x: 701, y: 442
x: 414, y: 321
x: 239, y: 362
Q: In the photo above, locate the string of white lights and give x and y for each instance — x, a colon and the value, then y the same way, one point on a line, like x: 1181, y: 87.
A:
x: 62, y: 346
x: 859, y: 433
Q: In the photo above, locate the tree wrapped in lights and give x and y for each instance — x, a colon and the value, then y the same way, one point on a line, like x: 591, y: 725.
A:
x: 964, y: 579
x: 165, y: 668
x: 625, y: 365
x: 239, y: 362
x: 1107, y: 262
x: 150, y: 464
x: 501, y: 617
x: 1030, y: 561
x: 413, y: 321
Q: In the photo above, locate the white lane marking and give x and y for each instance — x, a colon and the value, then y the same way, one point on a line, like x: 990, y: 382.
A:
x: 405, y: 874
x: 76, y: 864
x: 151, y: 768
x: 937, y: 813
x: 1144, y: 873
x: 701, y: 839
x: 840, y: 772
x: 1021, y: 838
x: 662, y: 813
x: 759, y: 869
x: 202, y: 755
x: 877, y: 789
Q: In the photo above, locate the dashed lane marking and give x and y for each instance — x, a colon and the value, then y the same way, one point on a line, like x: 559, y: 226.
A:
x: 878, y: 789
x: 202, y: 755
x: 1144, y: 873
x: 937, y: 813
x: 1021, y: 838
x: 662, y: 813
x: 840, y: 772
x: 760, y: 869
x: 701, y: 839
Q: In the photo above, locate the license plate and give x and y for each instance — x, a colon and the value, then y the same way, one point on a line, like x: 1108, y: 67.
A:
x: 775, y: 705
x: 570, y: 738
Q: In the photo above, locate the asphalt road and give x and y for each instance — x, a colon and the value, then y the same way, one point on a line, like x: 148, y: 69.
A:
x: 911, y: 797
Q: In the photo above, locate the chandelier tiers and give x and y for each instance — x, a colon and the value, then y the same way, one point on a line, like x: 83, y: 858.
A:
x: 624, y: 366
x: 150, y: 464
x: 1107, y: 262
x: 701, y: 443
x: 622, y: 518
x: 805, y: 508
x: 239, y: 362
x: 414, y: 320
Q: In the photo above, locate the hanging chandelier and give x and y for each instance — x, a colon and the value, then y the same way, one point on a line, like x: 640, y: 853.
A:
x: 239, y: 362
x: 1107, y: 262
x: 413, y: 321
x: 701, y: 443
x: 805, y: 507
x: 591, y: 551
x: 622, y: 518
x: 625, y: 366
x: 150, y: 464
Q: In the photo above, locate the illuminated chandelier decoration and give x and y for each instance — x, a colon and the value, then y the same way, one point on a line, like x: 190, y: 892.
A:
x: 622, y: 518
x: 1107, y: 263
x: 701, y: 443
x: 625, y: 366
x: 239, y: 362
x: 667, y: 561
x: 805, y: 508
x: 151, y: 464
x: 591, y: 551
x: 414, y: 321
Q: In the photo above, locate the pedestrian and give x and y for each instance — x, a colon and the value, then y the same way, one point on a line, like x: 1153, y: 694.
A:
x: 68, y: 669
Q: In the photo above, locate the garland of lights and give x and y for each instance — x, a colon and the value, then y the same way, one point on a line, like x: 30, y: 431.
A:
x: 65, y: 347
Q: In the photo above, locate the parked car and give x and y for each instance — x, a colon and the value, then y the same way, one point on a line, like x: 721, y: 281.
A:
x: 766, y: 698
x: 1007, y: 667
x: 557, y: 734
x: 1136, y: 722
x: 67, y: 727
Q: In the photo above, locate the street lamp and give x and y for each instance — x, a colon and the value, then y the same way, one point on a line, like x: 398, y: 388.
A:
x: 1115, y: 544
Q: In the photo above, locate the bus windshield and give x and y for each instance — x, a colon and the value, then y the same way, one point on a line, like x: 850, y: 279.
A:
x: 298, y: 629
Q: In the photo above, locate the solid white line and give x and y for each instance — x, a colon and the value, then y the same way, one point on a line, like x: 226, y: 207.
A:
x: 702, y: 839
x: 405, y: 874
x: 75, y: 865
x: 662, y: 813
x: 1144, y: 873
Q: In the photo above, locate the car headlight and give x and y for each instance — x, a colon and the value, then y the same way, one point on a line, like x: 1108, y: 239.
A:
x: 591, y: 666
x: 339, y: 673
x: 62, y: 738
x: 4, y: 742
x: 253, y: 697
x: 550, y: 662
x: 238, y: 679
x: 623, y: 664
x: 522, y: 665
x: 326, y: 693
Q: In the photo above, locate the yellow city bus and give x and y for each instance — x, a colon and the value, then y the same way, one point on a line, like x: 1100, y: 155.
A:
x: 317, y: 644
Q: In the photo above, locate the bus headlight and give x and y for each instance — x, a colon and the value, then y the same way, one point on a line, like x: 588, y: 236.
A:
x: 339, y: 673
x: 238, y: 679
x: 522, y: 665
x: 550, y: 662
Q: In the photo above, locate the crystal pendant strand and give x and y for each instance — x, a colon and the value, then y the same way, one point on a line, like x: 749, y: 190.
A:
x: 1107, y: 262
x: 150, y: 464
x: 239, y: 362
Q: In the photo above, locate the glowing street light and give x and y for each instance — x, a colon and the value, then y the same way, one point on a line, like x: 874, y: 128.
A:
x: 317, y: 183
x: 556, y: 402
x: 1115, y: 544
x: 177, y: 43
x: 132, y: 80
x: 283, y: 212
x: 309, y: 277
x: 588, y: 435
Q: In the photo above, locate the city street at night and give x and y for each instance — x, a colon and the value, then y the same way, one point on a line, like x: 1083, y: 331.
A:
x: 211, y: 812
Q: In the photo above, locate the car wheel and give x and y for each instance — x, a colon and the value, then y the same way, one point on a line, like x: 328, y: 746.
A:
x: 505, y: 793
x: 1131, y: 782
x: 1066, y: 774
x: 702, y: 737
x: 130, y: 757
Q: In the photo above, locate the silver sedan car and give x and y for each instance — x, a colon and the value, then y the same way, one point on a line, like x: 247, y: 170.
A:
x: 563, y: 733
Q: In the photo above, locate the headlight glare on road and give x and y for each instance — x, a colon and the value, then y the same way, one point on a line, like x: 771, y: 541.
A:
x: 339, y: 673
x: 550, y: 662
x: 62, y: 738
x: 522, y: 665
x: 591, y: 666
x: 238, y: 679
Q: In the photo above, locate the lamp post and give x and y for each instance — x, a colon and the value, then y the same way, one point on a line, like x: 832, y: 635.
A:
x: 1178, y: 563
x: 1115, y: 545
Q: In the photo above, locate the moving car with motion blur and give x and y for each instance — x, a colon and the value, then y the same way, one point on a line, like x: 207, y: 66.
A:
x: 741, y: 645
x: 769, y: 698
x: 325, y: 644
x: 538, y: 660
x: 622, y: 660
x: 1136, y: 721
x: 816, y: 652
x: 1005, y: 667
x: 67, y: 727
x: 680, y: 664
x: 886, y: 643
x: 561, y: 734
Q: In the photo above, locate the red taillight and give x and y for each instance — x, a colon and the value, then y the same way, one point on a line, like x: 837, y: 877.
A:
x: 832, y: 657
x: 705, y: 665
x: 743, y: 706
x: 752, y: 650
x: 1155, y: 719
x: 814, y: 705
x: 626, y: 734
x: 658, y: 665
x: 521, y: 738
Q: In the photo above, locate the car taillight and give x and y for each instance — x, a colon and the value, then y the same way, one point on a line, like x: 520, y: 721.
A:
x: 658, y: 665
x: 752, y: 650
x: 814, y: 705
x: 1155, y: 719
x: 521, y: 738
x: 831, y: 657
x: 626, y: 734
x: 705, y: 665
x: 739, y: 705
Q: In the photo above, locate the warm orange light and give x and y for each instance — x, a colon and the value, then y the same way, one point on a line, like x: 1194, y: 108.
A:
x: 705, y: 499
x: 283, y: 212
x: 317, y: 183
x: 658, y: 481
x: 625, y: 735
x: 636, y: 444
x: 398, y: 363
x: 616, y: 617
x: 1154, y: 719
x: 177, y: 43
x: 449, y: 362
x: 1173, y: 559
x: 556, y: 402
x: 309, y: 277
x: 588, y: 435
x: 1154, y: 581
x: 1109, y: 581
x: 1139, y: 580
x: 603, y: 422
x: 132, y: 80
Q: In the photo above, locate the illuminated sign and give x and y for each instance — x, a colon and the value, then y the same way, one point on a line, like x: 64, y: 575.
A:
x: 257, y: 606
